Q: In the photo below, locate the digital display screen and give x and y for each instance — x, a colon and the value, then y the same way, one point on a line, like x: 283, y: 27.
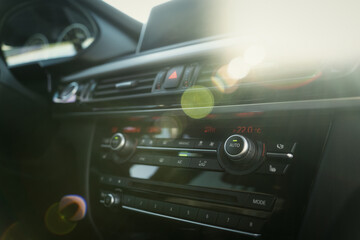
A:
x: 184, y: 22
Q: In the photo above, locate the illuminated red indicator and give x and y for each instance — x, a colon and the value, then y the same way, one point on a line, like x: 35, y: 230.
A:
x: 211, y: 116
x: 248, y: 114
x: 132, y: 130
x: 209, y: 129
x: 247, y: 129
x: 154, y: 130
x: 173, y: 75
x: 114, y: 129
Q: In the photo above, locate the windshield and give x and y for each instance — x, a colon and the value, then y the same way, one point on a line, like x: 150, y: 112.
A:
x: 137, y: 9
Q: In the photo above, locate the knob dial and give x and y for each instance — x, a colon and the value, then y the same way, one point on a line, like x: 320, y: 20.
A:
x: 111, y: 200
x: 240, y: 155
x: 122, y: 148
x: 239, y: 148
x: 117, y: 141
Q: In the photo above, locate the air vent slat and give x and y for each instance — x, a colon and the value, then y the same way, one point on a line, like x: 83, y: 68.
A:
x: 131, y: 85
x: 128, y: 78
x: 118, y: 91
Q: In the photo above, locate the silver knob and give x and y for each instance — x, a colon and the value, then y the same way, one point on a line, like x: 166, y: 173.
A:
x: 239, y: 148
x: 109, y: 200
x: 117, y: 141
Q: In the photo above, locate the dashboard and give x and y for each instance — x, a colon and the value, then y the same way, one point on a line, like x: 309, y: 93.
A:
x: 239, y: 126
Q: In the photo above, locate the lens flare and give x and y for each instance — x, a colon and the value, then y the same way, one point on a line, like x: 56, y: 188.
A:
x: 223, y: 82
x: 57, y: 223
x: 73, y: 207
x: 16, y: 231
x: 254, y: 55
x: 61, y: 218
x: 238, y: 68
x: 297, y: 83
x: 197, y: 102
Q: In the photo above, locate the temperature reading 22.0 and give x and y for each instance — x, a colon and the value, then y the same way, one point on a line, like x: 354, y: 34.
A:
x: 247, y: 129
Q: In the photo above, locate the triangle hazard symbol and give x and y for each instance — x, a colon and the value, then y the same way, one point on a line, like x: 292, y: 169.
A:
x: 173, y: 75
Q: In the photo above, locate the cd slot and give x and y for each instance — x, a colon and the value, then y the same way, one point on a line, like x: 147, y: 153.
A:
x: 213, y: 196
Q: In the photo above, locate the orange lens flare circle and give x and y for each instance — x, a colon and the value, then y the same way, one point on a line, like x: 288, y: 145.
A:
x: 77, y: 203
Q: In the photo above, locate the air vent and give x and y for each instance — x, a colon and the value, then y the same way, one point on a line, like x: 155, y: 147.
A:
x: 270, y: 74
x: 124, y: 86
x: 207, y: 72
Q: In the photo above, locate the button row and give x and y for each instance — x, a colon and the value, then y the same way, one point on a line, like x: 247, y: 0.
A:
x: 246, y: 200
x: 178, y: 143
x: 184, y: 162
x: 171, y: 78
x: 273, y: 168
x: 281, y: 147
x: 225, y: 220
x: 116, y: 181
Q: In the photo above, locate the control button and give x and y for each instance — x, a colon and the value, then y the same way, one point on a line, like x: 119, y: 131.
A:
x: 251, y: 224
x: 180, y: 162
x: 184, y: 143
x: 165, y: 143
x: 159, y: 80
x: 171, y: 209
x: 186, y: 81
x: 173, y: 77
x: 142, y: 142
x: 117, y: 141
x: 109, y: 180
x: 236, y: 146
x: 207, y: 216
x: 260, y: 202
x: 144, y: 159
x: 202, y: 144
x: 155, y: 206
x: 147, y: 142
x: 273, y: 168
x: 119, y: 182
x: 102, y: 179
x: 189, y: 213
x: 227, y: 220
x: 208, y: 164
x: 129, y: 200
x: 162, y: 160
x: 280, y: 147
x: 141, y: 203
x: 104, y: 155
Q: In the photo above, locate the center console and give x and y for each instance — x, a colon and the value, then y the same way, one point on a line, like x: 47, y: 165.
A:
x: 246, y: 173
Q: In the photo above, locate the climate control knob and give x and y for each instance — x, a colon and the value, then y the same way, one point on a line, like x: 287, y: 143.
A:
x: 117, y: 141
x: 239, y: 148
x: 122, y: 148
x: 240, y: 155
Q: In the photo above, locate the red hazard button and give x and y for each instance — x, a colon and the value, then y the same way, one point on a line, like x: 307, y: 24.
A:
x: 173, y: 77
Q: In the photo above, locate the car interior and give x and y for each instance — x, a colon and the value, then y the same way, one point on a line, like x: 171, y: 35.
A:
x: 179, y: 119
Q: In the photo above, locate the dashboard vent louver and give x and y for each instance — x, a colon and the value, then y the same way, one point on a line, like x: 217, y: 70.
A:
x: 124, y: 86
x: 206, y: 73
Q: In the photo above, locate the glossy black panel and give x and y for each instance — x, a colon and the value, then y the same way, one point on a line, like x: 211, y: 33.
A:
x: 281, y: 185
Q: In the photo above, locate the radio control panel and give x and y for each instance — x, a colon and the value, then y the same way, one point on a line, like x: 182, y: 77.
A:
x: 250, y: 179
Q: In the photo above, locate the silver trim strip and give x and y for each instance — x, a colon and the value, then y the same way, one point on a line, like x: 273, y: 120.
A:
x: 188, y: 221
x: 124, y: 84
x: 315, y: 105
x: 177, y: 149
x: 280, y: 155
